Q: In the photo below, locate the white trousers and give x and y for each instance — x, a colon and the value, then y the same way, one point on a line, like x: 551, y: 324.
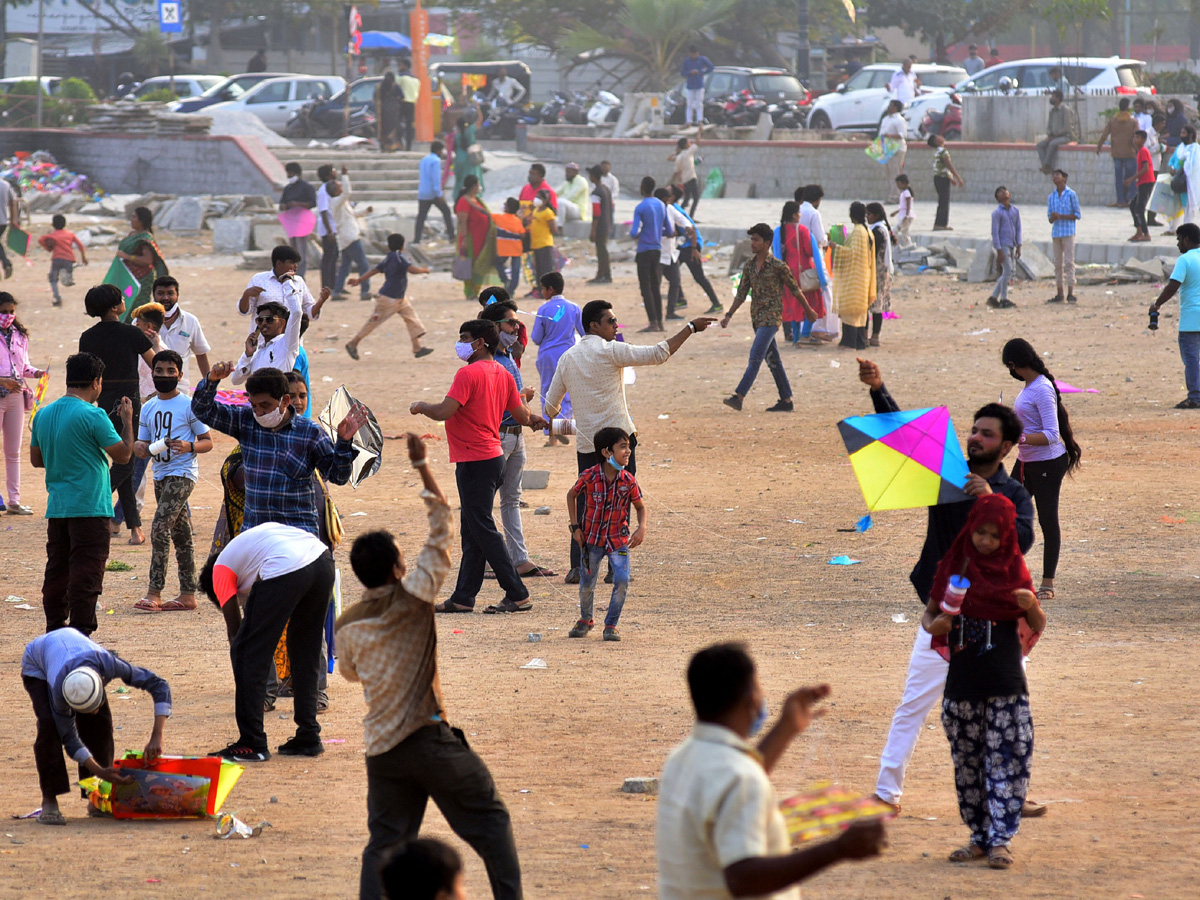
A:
x: 924, y: 686
x: 695, y: 106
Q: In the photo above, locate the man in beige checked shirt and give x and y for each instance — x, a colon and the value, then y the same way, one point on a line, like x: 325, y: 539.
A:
x: 388, y: 641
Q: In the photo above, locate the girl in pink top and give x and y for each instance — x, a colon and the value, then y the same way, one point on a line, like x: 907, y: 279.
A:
x: 15, y: 397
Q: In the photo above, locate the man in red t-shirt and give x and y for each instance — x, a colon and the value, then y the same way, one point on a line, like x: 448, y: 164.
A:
x: 537, y: 183
x: 1144, y: 177
x: 482, y: 391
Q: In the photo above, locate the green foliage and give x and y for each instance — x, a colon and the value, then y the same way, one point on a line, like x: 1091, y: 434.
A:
x: 945, y: 22
x: 1181, y: 81
x: 1065, y: 15
x: 159, y: 95
x: 76, y: 89
x: 27, y: 88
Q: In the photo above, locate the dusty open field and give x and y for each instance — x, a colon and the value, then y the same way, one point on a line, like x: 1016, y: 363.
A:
x: 744, y: 513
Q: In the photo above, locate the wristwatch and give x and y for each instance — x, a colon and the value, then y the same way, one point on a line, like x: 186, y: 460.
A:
x: 574, y: 528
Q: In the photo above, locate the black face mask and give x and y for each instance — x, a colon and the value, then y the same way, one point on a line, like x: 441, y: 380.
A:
x: 164, y: 384
x: 1013, y: 373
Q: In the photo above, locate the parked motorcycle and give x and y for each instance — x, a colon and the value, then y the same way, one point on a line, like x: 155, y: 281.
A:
x: 606, y: 108
x: 786, y: 114
x: 551, y: 112
x: 500, y: 120
x: 947, y: 123
x: 743, y: 108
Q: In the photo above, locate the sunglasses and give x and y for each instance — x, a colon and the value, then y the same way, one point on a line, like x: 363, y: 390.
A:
x: 611, y: 320
x: 263, y: 320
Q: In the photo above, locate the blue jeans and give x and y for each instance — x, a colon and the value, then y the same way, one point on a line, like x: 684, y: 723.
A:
x: 510, y: 281
x: 356, y: 255
x: 764, y: 347
x: 139, y: 472
x: 1189, y: 349
x: 618, y: 562
x: 1122, y: 169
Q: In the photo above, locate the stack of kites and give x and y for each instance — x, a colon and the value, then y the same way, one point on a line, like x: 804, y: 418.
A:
x: 173, y: 787
x: 40, y: 173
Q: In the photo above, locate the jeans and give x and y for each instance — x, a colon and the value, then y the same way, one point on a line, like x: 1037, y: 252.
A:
x: 354, y: 254
x: 649, y: 271
x: 95, y: 730
x: 1137, y: 206
x: 618, y: 563
x: 171, y: 523
x: 764, y: 347
x: 512, y: 277
x: 1000, y: 291
x: 1122, y: 169
x: 1047, y: 149
x: 298, y: 600
x: 478, y: 482
x: 139, y: 475
x: 941, y: 184
x: 1189, y: 350
x: 1043, y: 480
x: 691, y: 190
x: 120, y: 475
x: 695, y: 264
x: 423, y: 211
x: 436, y: 763
x: 585, y: 461
x: 603, y: 268
x: 76, y: 553
x: 512, y: 446
x: 674, y: 288
x: 59, y: 267
x: 329, y: 260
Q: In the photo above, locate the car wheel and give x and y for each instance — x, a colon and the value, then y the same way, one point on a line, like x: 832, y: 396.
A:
x: 954, y: 135
x: 820, y: 122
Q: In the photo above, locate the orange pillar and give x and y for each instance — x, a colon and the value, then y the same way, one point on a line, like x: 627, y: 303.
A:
x: 418, y: 28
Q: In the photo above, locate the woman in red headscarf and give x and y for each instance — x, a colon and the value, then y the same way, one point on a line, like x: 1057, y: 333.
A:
x: 985, y: 710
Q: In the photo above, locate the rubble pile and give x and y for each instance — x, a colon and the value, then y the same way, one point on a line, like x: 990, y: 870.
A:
x: 43, y: 183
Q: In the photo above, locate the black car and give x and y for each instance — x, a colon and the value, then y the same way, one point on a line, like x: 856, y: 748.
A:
x: 771, y: 84
x: 327, y: 118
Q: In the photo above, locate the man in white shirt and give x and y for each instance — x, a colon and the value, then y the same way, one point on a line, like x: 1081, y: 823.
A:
x: 507, y: 90
x: 593, y: 373
x: 720, y: 833
x: 281, y: 285
x: 288, y: 574
x: 274, y: 344
x: 350, y: 246
x: 669, y: 260
x: 905, y: 85
x: 974, y: 62
x: 181, y: 331
x: 573, y: 194
x: 609, y: 180
x: 8, y: 214
x: 326, y: 229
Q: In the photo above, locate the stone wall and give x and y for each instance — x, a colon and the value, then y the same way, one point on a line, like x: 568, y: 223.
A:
x: 776, y: 168
x: 998, y: 117
x: 166, y: 164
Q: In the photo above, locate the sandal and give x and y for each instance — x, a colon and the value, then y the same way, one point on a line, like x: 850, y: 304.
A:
x: 999, y: 858
x: 176, y: 606
x: 538, y: 572
x: 507, y: 606
x: 447, y: 607
x: 1045, y: 594
x: 968, y: 853
x: 52, y: 818
x: 146, y: 605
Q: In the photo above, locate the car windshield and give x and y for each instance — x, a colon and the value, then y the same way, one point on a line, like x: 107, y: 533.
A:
x: 944, y: 78
x: 773, y: 84
x: 1133, y: 76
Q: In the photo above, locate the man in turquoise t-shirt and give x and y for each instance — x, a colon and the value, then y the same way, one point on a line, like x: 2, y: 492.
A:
x: 70, y: 439
x: 1185, y: 280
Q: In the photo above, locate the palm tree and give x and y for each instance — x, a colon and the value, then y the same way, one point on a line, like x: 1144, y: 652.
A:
x: 653, y: 34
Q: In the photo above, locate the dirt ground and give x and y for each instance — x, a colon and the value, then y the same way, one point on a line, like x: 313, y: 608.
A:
x: 745, y: 511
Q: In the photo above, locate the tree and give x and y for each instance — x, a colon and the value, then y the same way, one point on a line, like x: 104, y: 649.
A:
x: 652, y: 35
x: 945, y: 22
x: 1068, y: 14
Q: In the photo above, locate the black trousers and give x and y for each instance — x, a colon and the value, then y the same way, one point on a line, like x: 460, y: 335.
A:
x: 120, y: 475
x: 423, y: 211
x: 696, y: 267
x: 3, y: 256
x: 329, y: 261
x: 297, y: 600
x: 481, y: 542
x: 1137, y: 206
x: 941, y: 184
x: 76, y: 553
x: 691, y: 189
x: 585, y: 461
x: 649, y: 271
x: 603, y: 268
x: 95, y: 730
x: 1044, y: 481
x: 543, y: 263
x: 435, y: 762
x: 407, y: 111
x: 674, y: 287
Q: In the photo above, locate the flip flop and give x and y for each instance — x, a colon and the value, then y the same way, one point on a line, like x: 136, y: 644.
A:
x: 968, y: 853
x: 133, y: 543
x: 146, y: 605
x: 538, y: 572
x: 507, y: 606
x: 1000, y: 858
x: 174, y: 606
x: 447, y: 607
x: 51, y: 818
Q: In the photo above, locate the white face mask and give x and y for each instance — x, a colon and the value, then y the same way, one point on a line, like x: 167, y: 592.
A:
x: 464, y: 350
x: 507, y: 340
x: 293, y: 179
x: 537, y: 203
x: 273, y: 419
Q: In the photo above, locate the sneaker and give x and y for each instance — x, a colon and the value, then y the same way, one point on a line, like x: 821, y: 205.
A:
x: 572, y: 576
x: 734, y: 402
x: 1071, y: 298
x: 611, y: 633
x: 715, y: 308
x: 242, y: 753
x: 1007, y: 304
x: 581, y: 629
x: 873, y: 342
x: 672, y: 317
x: 1057, y: 298
x: 782, y: 406
x: 1188, y: 404
x: 352, y: 350
x: 295, y: 747
x: 993, y: 303
x: 340, y: 296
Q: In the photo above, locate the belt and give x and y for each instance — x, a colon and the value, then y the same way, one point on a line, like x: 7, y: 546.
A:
x: 510, y: 429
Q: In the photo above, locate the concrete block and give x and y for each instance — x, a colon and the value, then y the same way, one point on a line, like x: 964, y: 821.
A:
x: 1034, y: 264
x: 916, y: 255
x: 741, y: 253
x: 964, y: 258
x: 983, y: 268
x: 1151, y: 268
x: 231, y: 235
x: 268, y: 236
x: 535, y: 479
x: 185, y: 214
x: 740, y: 190
x: 645, y: 785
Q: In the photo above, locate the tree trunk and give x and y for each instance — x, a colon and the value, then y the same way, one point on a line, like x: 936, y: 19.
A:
x: 939, y: 49
x: 215, y: 53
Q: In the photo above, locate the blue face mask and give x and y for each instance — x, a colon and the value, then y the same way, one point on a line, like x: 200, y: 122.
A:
x: 759, y: 720
x: 612, y: 461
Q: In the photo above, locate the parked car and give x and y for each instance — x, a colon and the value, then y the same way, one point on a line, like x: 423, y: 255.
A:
x: 226, y: 89
x: 322, y: 118
x: 859, y: 103
x: 1085, y: 75
x: 50, y: 84
x: 771, y: 84
x: 275, y: 99
x: 184, y: 85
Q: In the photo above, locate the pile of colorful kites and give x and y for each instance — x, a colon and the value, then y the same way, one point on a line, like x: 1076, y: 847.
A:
x: 39, y: 172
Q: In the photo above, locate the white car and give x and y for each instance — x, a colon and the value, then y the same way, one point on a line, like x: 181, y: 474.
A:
x: 185, y: 85
x: 1083, y: 75
x: 859, y: 103
x: 274, y: 100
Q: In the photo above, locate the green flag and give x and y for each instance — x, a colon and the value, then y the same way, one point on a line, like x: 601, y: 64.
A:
x: 17, y: 241
x: 119, y: 274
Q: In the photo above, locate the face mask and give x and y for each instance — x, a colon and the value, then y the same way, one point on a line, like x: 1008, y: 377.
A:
x: 612, y: 461
x: 164, y: 384
x: 537, y: 203
x: 1013, y: 373
x: 760, y: 719
x: 507, y: 340
x: 293, y: 179
x: 273, y: 419
x: 6, y: 320
x: 464, y: 350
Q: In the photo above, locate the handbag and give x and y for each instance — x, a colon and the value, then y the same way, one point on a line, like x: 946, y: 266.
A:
x: 1179, y: 183
x: 810, y: 280
x: 475, y: 155
x: 463, y: 269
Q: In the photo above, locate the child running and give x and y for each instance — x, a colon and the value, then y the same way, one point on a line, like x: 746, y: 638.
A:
x: 609, y: 490
x: 61, y: 244
x: 985, y: 711
x: 167, y: 417
x: 393, y: 298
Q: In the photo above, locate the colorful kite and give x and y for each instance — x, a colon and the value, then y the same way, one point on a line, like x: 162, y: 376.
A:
x: 173, y: 787
x: 825, y: 809
x: 39, y: 394
x: 906, y: 459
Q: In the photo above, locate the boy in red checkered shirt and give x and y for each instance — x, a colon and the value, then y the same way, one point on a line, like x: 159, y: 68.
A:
x: 607, y: 490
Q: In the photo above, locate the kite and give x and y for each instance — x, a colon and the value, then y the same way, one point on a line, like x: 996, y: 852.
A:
x: 172, y: 787
x: 39, y: 394
x: 368, y: 442
x: 298, y: 222
x: 825, y: 809
x: 118, y: 274
x: 906, y: 459
x: 18, y: 241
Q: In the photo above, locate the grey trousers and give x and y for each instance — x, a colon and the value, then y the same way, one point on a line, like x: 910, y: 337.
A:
x: 512, y: 446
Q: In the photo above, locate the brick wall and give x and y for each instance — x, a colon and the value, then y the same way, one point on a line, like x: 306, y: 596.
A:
x: 133, y: 164
x: 776, y: 168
